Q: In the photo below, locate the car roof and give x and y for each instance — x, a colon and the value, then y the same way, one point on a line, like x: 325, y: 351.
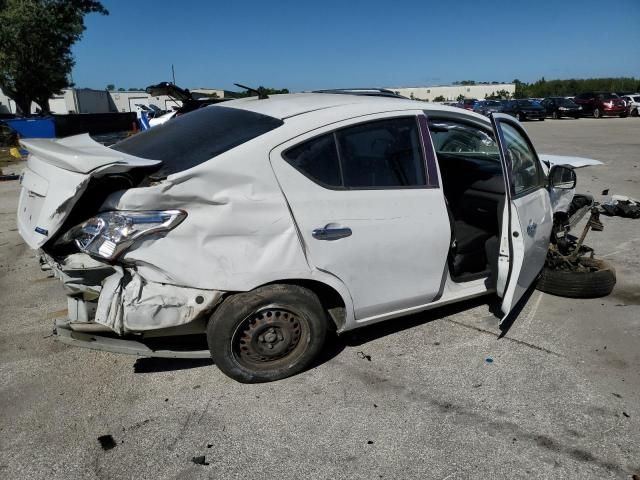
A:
x: 293, y: 104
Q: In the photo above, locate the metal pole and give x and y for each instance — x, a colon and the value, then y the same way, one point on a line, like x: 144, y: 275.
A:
x: 173, y: 74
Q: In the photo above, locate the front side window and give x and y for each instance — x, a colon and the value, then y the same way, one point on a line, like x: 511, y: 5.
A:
x: 526, y: 172
x: 380, y: 154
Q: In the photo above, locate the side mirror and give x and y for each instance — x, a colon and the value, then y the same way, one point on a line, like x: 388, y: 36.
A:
x: 561, y: 177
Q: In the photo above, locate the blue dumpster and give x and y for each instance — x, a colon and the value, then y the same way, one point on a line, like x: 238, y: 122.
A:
x: 33, y: 127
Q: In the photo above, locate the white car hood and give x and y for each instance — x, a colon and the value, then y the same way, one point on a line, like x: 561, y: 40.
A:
x: 567, y: 161
x: 561, y: 199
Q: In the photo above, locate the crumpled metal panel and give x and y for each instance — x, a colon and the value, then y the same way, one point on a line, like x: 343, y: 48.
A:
x: 238, y: 234
x: 129, y: 303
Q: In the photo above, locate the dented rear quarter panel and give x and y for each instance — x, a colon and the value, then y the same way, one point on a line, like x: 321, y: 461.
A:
x: 239, y: 233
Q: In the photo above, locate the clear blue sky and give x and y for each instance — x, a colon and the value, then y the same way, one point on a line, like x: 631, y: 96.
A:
x: 304, y: 45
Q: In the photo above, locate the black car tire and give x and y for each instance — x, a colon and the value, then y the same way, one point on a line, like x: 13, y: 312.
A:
x: 591, y: 284
x: 555, y: 115
x: 522, y: 117
x: 541, y: 119
x: 576, y: 117
x: 267, y: 334
x: 624, y: 115
x: 597, y: 113
x: 634, y: 112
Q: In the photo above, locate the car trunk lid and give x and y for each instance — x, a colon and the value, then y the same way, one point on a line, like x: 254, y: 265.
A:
x: 56, y: 176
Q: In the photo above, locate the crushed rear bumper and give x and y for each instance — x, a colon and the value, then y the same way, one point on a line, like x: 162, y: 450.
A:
x: 104, y: 341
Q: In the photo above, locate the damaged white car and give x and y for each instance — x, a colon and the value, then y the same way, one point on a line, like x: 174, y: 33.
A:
x: 267, y: 222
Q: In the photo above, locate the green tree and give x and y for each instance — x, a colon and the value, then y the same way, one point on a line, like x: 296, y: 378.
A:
x: 439, y: 98
x: 111, y: 87
x: 460, y: 98
x: 36, y: 37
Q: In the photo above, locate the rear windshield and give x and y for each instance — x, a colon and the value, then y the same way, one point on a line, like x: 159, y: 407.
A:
x: 194, y: 138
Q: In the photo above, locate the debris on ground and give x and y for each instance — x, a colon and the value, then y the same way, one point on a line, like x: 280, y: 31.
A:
x: 364, y: 356
x: 107, y: 442
x: 621, y: 206
x: 488, y: 360
x: 201, y: 460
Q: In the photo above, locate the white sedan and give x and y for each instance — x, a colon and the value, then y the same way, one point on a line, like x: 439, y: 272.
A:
x: 267, y: 222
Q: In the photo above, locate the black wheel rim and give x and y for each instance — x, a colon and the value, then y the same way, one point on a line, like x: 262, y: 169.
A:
x: 270, y: 338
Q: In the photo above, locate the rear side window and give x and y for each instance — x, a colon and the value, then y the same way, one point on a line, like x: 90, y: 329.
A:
x: 196, y: 137
x: 318, y: 160
x: 380, y: 154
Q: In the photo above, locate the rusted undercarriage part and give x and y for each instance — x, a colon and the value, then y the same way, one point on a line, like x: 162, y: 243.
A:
x: 566, y: 251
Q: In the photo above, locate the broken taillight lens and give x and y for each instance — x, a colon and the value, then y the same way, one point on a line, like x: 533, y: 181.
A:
x: 109, y: 234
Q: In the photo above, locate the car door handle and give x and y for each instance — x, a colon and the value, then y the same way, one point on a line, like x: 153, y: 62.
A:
x: 331, y: 232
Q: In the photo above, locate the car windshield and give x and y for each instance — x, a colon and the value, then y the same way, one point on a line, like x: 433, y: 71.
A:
x: 636, y: 99
x: 196, y: 137
x: 609, y: 96
x: 527, y: 103
x: 566, y: 102
x: 492, y: 103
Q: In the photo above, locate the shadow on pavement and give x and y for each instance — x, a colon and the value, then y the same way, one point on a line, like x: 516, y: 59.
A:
x: 154, y: 365
x: 392, y: 326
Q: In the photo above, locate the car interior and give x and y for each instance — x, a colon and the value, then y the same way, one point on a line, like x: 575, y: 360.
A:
x: 473, y: 186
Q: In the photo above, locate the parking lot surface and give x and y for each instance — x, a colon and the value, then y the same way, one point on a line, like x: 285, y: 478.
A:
x: 435, y: 395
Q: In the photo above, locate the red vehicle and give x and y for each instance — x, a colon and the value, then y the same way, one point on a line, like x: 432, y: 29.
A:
x: 467, y: 103
x: 600, y: 104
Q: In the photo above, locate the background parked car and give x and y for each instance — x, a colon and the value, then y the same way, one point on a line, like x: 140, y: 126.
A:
x: 601, y: 104
x: 633, y: 103
x: 485, y: 107
x: 558, y: 107
x: 467, y: 103
x: 524, y: 109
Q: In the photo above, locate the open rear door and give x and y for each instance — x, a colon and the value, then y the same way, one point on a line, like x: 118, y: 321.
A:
x: 527, y: 217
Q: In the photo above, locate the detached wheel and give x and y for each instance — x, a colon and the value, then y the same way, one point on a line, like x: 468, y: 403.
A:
x: 596, y: 279
x: 267, y: 334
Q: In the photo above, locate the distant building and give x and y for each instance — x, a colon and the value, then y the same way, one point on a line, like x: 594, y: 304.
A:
x: 452, y: 92
x: 87, y: 100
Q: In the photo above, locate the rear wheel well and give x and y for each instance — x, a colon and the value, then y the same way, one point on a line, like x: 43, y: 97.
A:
x: 330, y: 299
